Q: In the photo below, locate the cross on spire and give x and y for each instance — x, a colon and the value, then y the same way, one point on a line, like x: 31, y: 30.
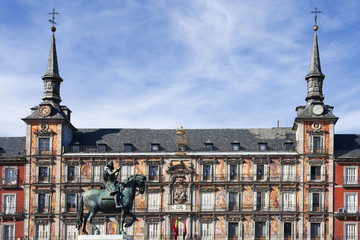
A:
x: 316, y: 13
x: 53, y: 13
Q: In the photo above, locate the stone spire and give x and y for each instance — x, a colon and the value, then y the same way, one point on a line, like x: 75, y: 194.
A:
x: 51, y: 77
x: 315, y: 77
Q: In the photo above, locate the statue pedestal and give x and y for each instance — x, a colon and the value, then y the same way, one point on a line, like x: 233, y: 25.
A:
x: 105, y: 237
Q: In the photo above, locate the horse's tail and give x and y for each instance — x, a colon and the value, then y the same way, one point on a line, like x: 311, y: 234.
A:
x: 80, y: 214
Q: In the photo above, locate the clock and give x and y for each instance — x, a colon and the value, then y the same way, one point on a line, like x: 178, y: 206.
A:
x: 318, y: 109
x: 44, y: 110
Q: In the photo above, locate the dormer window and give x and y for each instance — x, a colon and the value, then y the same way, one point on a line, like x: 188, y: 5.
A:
x: 155, y: 147
x: 208, y: 146
x: 262, y: 146
x: 288, y: 146
x: 182, y: 148
x: 75, y: 148
x: 235, y: 146
x: 128, y: 147
x: 101, y: 148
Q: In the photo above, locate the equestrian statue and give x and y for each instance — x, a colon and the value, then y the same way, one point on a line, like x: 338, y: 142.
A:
x: 112, y: 197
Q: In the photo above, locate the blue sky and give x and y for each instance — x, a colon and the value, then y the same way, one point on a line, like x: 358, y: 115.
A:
x: 159, y: 64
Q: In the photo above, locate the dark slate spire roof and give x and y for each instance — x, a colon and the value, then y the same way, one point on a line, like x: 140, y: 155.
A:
x: 52, y: 69
x: 12, y: 146
x: 315, y: 66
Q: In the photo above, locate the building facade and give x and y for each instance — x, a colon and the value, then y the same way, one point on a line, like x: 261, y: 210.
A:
x: 12, y: 172
x: 275, y: 183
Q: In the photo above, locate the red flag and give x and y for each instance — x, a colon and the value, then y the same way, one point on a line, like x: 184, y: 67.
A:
x: 184, y: 232
x: 173, y: 228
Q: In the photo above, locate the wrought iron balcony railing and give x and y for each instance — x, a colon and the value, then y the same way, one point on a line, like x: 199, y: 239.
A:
x: 11, y: 211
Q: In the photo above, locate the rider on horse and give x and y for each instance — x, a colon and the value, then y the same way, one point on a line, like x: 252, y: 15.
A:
x: 112, y: 185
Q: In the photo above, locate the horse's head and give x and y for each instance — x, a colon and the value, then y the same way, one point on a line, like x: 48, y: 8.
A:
x: 142, y: 180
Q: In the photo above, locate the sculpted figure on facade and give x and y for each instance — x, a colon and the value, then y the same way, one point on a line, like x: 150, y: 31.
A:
x: 180, y: 190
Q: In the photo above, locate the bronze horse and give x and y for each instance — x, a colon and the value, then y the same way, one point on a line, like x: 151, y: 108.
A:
x: 97, y: 200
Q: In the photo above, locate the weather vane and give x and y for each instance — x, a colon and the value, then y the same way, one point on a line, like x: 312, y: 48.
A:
x: 53, y: 13
x: 316, y: 13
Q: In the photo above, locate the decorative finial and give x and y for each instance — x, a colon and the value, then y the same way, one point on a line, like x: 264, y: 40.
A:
x: 53, y: 13
x: 316, y: 13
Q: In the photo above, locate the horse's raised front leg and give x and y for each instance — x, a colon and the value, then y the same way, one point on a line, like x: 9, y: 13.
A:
x: 122, y: 220
x: 84, y: 226
x: 91, y: 215
x: 132, y: 220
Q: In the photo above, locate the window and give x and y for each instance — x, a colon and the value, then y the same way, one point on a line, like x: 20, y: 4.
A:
x: 316, y: 144
x: 9, y: 203
x: 233, y: 231
x: 71, y: 232
x: 260, y: 200
x: 76, y: 148
x: 288, y: 172
x: 43, y: 232
x: 153, y: 173
x: 351, y: 202
x: 153, y: 231
x: 153, y: 201
x: 101, y: 148
x: 316, y: 202
x: 351, y: 175
x: 288, y: 146
x: 233, y: 172
x: 98, y: 173
x: 315, y: 231
x: 351, y: 231
x: 260, y: 172
x: 126, y: 171
x: 287, y: 230
x: 10, y: 175
x: 41, y: 203
x: 206, y: 230
x: 44, y: 145
x: 315, y: 173
x: 260, y: 230
x: 235, y: 146
x: 155, y: 147
x: 7, y: 231
x: 206, y: 172
x: 233, y: 201
x: 43, y: 174
x: 208, y: 146
x: 71, y: 173
x: 288, y: 201
x: 182, y: 148
x: 207, y: 201
x: 262, y: 146
x: 71, y: 202
x: 128, y: 147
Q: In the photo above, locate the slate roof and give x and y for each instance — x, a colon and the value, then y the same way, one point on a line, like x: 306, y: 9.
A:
x: 221, y: 139
x: 347, y: 145
x: 12, y: 146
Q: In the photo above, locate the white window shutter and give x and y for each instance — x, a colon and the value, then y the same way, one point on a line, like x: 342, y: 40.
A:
x: 36, y: 202
x: 63, y: 202
x: 266, y: 172
x: 322, y: 201
x: 66, y: 173
x: 254, y: 171
x: 78, y: 173
x: 322, y: 230
x: 323, y: 168
x: 47, y: 203
x: 16, y: 176
x: 308, y: 172
x: 293, y: 206
x: 267, y: 228
x: 310, y: 147
x: 266, y: 203
x: 254, y: 200
x: 240, y: 231
x: 310, y: 204
x: 253, y: 230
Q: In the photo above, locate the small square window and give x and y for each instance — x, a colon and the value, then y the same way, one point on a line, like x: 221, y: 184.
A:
x: 155, y: 147
x: 262, y: 146
x: 235, y: 146
x: 101, y: 148
x: 128, y: 147
x: 288, y: 146
x: 75, y: 148
x: 208, y: 146
x: 182, y: 148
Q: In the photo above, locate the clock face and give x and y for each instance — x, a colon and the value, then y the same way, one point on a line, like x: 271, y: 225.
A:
x: 318, y: 109
x: 44, y: 110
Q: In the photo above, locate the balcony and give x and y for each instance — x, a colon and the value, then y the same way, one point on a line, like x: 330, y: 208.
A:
x: 44, y: 179
x: 11, y: 183
x: 249, y: 178
x: 12, y: 212
x: 43, y: 210
x: 347, y: 211
x: 351, y: 182
x: 88, y: 179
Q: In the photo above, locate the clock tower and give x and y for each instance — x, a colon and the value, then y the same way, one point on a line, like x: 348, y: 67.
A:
x: 48, y: 132
x: 314, y: 126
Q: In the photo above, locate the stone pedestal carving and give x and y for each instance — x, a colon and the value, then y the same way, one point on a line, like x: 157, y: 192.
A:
x: 105, y: 237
